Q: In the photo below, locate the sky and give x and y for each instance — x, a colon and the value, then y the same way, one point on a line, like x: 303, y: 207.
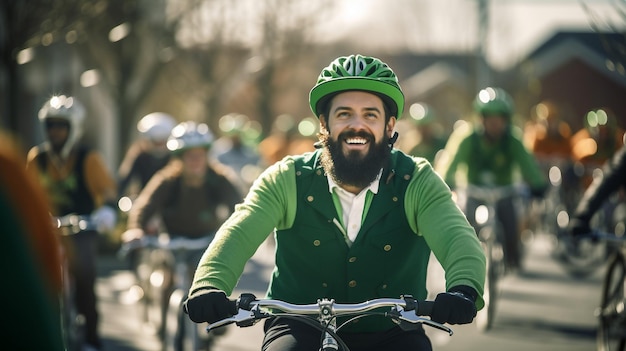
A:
x: 515, y: 27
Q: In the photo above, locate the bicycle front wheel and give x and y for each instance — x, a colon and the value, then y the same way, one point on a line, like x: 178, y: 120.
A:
x: 612, y: 314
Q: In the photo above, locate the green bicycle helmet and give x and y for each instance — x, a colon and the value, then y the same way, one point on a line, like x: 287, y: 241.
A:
x: 493, y: 101
x: 357, y: 72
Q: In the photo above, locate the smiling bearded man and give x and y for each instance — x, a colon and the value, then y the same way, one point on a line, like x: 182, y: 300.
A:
x: 353, y: 221
x: 354, y: 168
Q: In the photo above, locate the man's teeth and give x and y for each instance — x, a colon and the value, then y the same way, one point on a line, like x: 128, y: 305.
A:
x: 356, y: 141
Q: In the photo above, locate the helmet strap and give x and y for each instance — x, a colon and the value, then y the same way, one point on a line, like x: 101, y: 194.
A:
x: 393, y: 139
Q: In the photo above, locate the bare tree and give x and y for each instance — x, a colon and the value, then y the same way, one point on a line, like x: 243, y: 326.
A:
x: 240, y: 45
x: 209, y: 52
x: 601, y: 23
x: 125, y: 44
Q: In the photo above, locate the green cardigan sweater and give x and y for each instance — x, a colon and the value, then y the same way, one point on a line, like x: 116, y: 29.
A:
x: 412, y: 214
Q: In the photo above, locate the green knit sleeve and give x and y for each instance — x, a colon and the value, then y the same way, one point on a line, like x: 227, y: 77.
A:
x: 432, y: 213
x: 270, y: 204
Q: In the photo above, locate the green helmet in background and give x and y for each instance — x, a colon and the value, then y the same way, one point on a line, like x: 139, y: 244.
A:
x: 493, y: 101
x: 357, y: 72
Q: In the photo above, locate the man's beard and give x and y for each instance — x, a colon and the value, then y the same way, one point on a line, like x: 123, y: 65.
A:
x: 353, y: 169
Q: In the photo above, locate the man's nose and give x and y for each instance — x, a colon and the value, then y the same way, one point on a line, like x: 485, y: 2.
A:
x: 358, y: 122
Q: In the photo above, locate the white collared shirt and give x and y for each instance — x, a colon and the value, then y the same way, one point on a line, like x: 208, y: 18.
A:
x: 353, y: 205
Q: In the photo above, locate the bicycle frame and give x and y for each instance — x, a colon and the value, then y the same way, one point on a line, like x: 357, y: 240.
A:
x: 169, y: 254
x: 72, y: 322
x: 322, y: 315
x: 611, y: 334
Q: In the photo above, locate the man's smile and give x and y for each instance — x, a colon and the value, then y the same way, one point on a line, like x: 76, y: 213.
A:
x: 356, y: 142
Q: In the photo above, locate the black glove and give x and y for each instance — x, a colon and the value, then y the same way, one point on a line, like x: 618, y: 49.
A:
x: 209, y: 305
x: 457, y: 306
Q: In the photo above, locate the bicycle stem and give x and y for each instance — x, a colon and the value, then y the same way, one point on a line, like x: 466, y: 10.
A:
x: 329, y: 322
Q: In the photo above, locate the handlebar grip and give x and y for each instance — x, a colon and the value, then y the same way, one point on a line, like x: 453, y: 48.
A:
x: 424, y: 308
x: 244, y: 301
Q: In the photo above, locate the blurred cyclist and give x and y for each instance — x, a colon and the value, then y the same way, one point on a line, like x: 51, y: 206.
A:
x: 192, y: 195
x: 190, y: 191
x: 491, y: 155
x: 77, y: 182
x: 600, y: 190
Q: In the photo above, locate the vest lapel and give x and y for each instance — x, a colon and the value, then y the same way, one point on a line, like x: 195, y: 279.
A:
x: 382, y: 203
x: 317, y: 195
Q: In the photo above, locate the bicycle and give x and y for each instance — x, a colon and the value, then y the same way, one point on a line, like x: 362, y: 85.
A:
x: 72, y: 323
x: 611, y: 314
x: 554, y: 218
x: 579, y: 258
x: 165, y: 274
x: 490, y: 232
x: 406, y: 311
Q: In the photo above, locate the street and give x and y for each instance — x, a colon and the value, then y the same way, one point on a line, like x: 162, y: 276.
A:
x: 541, y: 309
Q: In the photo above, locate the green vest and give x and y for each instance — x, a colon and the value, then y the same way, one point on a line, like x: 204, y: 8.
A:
x: 387, y: 259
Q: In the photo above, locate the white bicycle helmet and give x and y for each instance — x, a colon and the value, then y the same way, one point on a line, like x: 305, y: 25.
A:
x: 187, y: 135
x: 156, y: 126
x: 70, y: 109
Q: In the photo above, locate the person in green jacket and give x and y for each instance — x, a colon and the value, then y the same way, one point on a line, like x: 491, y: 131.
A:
x: 492, y: 155
x: 353, y: 220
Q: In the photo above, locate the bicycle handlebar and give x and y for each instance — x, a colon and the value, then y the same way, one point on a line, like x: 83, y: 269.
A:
x: 73, y: 223
x: 493, y: 194
x: 166, y: 242
x: 406, y: 311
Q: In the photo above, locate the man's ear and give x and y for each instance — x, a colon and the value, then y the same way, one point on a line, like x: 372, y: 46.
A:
x: 391, y: 124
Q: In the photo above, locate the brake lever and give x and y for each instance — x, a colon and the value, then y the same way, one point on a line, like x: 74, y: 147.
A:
x: 437, y: 326
x: 242, y: 319
x: 407, y: 320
